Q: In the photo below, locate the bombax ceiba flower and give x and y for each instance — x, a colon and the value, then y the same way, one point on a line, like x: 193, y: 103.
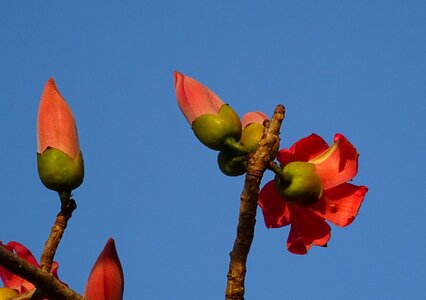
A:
x: 59, y: 159
x: 312, y: 187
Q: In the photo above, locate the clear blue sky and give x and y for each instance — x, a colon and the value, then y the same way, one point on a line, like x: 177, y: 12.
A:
x: 355, y: 67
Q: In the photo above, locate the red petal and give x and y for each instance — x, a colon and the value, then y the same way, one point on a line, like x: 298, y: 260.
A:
x: 338, y: 164
x: 303, y: 150
x: 253, y: 117
x: 56, y: 126
x: 195, y: 99
x: 274, y: 207
x: 341, y: 204
x: 11, y: 280
x: 307, y: 229
x: 106, y: 280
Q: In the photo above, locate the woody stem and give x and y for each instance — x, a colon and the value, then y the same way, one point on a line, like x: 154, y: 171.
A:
x: 258, y: 163
x: 68, y: 205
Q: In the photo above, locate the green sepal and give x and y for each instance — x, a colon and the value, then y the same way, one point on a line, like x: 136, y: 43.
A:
x: 251, y: 136
x: 230, y: 164
x: 58, y: 171
x: 299, y: 183
x: 213, y: 130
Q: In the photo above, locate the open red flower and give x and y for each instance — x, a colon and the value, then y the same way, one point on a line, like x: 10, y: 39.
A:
x: 338, y: 201
x: 15, y: 282
x: 106, y: 280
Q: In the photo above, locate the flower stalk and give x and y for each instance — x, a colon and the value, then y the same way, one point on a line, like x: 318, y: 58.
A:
x: 68, y: 205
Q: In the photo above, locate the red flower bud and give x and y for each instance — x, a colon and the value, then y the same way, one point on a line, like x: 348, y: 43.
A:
x: 213, y: 122
x: 106, y: 280
x: 195, y: 99
x: 59, y: 159
x: 56, y: 126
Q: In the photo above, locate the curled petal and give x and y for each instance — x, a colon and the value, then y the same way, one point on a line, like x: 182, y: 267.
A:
x: 275, y: 209
x: 106, y: 280
x: 15, y: 282
x: 254, y: 117
x: 307, y: 229
x: 303, y: 150
x: 195, y: 99
x: 56, y: 126
x: 341, y: 204
x: 337, y: 164
x: 11, y: 280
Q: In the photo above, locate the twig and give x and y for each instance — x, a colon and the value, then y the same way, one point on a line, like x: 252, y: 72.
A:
x: 258, y: 163
x: 45, y: 282
x: 68, y: 205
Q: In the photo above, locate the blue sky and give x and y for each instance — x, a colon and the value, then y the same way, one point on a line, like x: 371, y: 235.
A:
x: 354, y: 67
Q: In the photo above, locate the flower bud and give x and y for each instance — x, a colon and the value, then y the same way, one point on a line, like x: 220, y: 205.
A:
x: 106, y: 280
x: 252, y: 123
x: 230, y: 164
x: 213, y: 130
x: 59, y: 159
x: 251, y: 136
x: 299, y: 183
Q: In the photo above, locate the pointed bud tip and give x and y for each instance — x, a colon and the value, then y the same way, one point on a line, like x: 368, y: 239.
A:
x: 49, y: 88
x: 106, y: 280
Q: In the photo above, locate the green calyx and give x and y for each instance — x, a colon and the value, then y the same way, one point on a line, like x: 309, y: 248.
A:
x: 299, y: 183
x: 230, y: 164
x: 251, y: 136
x: 58, y: 171
x: 214, y: 130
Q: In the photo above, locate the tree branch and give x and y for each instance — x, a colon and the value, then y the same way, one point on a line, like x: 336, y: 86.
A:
x: 258, y: 163
x: 45, y: 282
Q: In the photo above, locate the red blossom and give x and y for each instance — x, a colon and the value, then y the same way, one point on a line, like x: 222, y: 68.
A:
x: 15, y: 282
x: 339, y: 203
x: 106, y: 280
x: 195, y: 99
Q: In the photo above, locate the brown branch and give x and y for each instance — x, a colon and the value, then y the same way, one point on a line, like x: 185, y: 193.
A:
x: 57, y: 231
x: 47, y: 285
x: 258, y: 163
